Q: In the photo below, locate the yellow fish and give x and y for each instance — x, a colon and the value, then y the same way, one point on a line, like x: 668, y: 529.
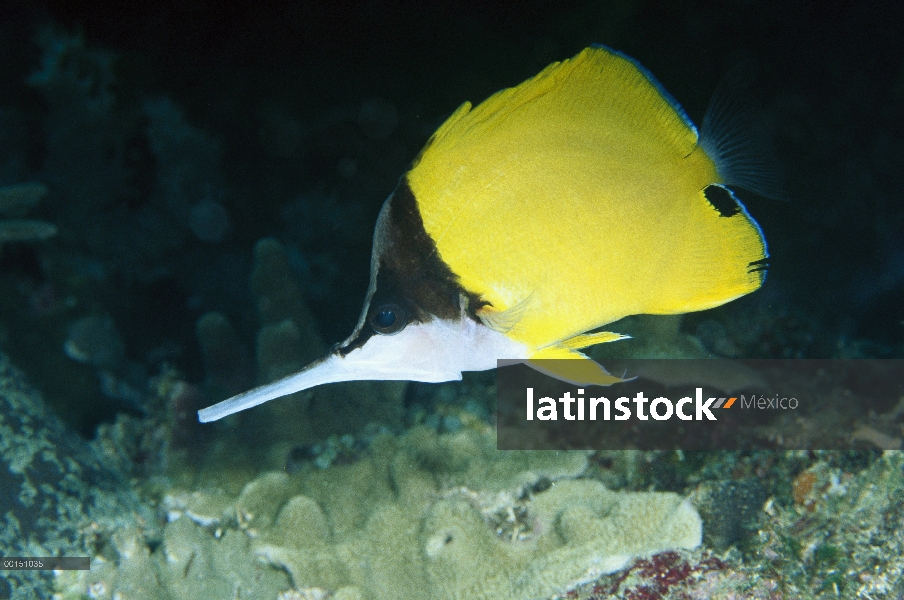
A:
x: 553, y: 208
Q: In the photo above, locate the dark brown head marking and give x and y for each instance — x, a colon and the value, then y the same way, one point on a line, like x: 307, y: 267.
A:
x: 410, y: 274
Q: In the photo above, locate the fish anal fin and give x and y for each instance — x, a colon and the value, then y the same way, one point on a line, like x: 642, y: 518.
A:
x: 590, y: 339
x: 571, y: 366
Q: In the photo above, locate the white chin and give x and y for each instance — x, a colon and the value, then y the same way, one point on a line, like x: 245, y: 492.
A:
x: 439, y: 350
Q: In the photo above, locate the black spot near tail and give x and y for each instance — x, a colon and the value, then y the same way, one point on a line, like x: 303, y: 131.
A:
x: 758, y: 265
x: 722, y: 200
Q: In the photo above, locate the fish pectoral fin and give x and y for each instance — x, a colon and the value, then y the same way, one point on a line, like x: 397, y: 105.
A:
x: 569, y: 365
x: 503, y: 321
x: 590, y: 339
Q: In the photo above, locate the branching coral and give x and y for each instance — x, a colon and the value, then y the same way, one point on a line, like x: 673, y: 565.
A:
x: 15, y: 200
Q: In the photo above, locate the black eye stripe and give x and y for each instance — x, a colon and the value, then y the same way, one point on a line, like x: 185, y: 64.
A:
x: 387, y: 318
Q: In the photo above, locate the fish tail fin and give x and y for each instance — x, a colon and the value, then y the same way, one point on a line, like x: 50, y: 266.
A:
x: 733, y: 137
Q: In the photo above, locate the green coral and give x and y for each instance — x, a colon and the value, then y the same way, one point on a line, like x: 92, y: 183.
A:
x: 422, y: 515
x: 426, y: 527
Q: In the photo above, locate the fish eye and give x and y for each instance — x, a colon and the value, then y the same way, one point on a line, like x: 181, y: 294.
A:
x: 388, y: 318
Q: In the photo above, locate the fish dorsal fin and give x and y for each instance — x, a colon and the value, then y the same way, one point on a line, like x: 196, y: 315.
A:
x: 440, y: 133
x: 599, y: 96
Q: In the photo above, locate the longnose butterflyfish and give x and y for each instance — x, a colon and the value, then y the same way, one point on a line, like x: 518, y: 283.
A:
x: 553, y: 208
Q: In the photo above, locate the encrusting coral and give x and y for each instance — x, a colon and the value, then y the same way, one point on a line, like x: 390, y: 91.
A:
x: 422, y: 515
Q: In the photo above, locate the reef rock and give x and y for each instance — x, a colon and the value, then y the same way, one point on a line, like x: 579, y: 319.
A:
x: 424, y: 515
x: 58, y: 496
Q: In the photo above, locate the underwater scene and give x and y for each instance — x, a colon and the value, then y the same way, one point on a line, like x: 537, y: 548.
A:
x: 258, y: 262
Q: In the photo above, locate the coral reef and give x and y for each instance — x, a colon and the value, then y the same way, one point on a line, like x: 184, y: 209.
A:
x: 842, y: 533
x: 14, y: 201
x: 58, y: 495
x: 95, y: 340
x: 834, y: 534
x: 421, y: 515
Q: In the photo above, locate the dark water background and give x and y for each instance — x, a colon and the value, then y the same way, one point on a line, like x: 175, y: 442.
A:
x: 298, y: 118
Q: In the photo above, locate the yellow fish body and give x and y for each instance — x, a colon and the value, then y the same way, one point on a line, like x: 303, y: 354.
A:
x: 553, y: 208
